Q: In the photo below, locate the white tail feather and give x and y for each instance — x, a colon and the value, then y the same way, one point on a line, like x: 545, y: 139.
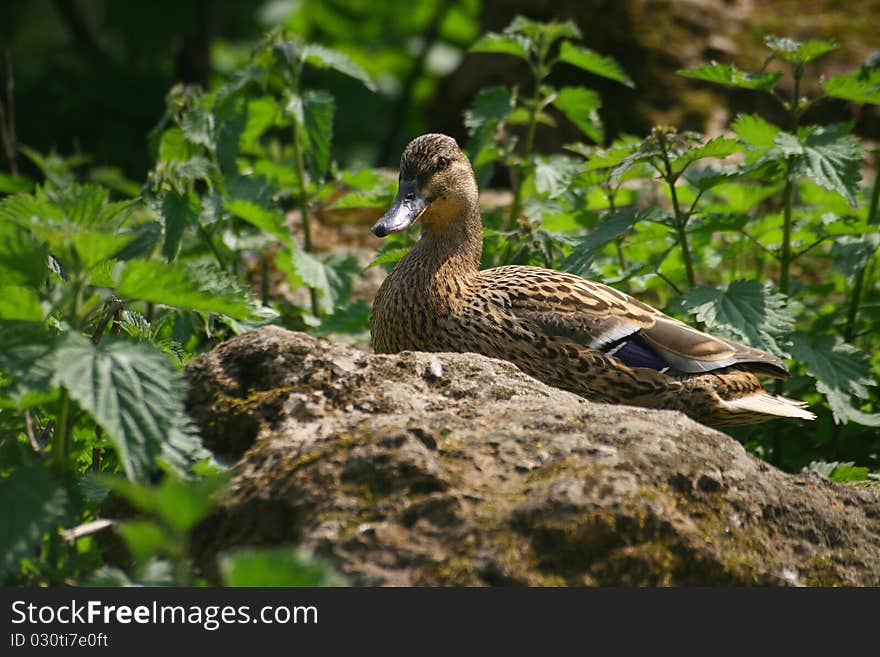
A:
x: 769, y: 405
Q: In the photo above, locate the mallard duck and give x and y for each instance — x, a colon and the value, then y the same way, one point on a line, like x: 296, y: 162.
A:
x: 559, y: 328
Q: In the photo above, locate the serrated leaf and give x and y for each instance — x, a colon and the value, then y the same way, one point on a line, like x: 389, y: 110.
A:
x: 281, y: 566
x: 851, y: 254
x: 546, y: 31
x: 24, y: 357
x: 491, y: 106
x: 831, y: 155
x: 858, y: 87
x: 506, y: 44
x: 754, y: 130
x: 798, y: 52
x: 553, y: 174
x: 581, y: 107
x: 322, y: 57
x: 585, y: 251
x: 177, y: 211
x: 256, y: 215
x: 731, y: 76
x: 709, y: 177
x: 318, y: 108
x: 132, y: 390
x: 746, y: 311
x: 141, y: 240
x: 20, y: 303
x: 591, y: 61
x: 392, y: 256
x: 205, y: 288
x: 847, y: 472
x: 718, y: 148
x: 33, y: 504
x: 841, y: 371
x: 197, y: 125
x: 23, y: 258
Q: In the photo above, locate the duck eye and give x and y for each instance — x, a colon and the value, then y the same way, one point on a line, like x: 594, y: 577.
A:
x: 442, y: 162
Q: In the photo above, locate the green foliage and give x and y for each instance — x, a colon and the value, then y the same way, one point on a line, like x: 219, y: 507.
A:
x: 276, y: 567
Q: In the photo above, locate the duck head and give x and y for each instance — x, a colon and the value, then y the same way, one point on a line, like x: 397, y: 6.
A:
x: 436, y: 185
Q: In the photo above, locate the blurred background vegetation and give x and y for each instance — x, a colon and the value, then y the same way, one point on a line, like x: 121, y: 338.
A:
x: 91, y: 75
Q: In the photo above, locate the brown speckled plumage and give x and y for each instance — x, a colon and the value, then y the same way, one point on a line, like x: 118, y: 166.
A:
x: 557, y: 327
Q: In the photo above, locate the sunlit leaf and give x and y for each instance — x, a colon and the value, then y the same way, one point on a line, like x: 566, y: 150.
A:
x: 132, y: 390
x: 798, y: 52
x: 832, y: 156
x: 841, y: 371
x: 731, y: 76
x: 591, y: 61
x: 746, y: 311
x: 581, y: 107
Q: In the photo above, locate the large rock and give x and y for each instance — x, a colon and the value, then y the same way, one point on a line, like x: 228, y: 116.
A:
x: 458, y: 469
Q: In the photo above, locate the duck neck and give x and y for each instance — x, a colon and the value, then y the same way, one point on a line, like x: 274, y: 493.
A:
x: 453, y: 247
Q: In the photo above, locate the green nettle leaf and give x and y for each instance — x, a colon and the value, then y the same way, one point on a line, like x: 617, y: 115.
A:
x: 718, y: 148
x: 754, y: 130
x: 507, y: 44
x: 847, y: 472
x: 141, y: 240
x: 12, y: 184
x: 841, y: 371
x: 178, y: 211
x: 197, y: 125
x: 709, y: 177
x: 322, y: 57
x: 230, y: 118
x: 262, y: 113
x: 392, y: 256
x: 747, y: 311
x: 174, y: 147
x: 831, y: 155
x: 851, y: 254
x: 183, y: 504
x: 204, y: 288
x: 798, y: 52
x: 256, y: 215
x: 145, y: 539
x: 548, y: 31
x: 585, y: 251
x: 491, y: 106
x: 19, y: 302
x: 591, y: 61
x: 861, y: 87
x: 302, y: 268
x: 33, y: 504
x: 283, y: 566
x: 553, y: 174
x: 23, y: 258
x: 581, y: 107
x: 318, y: 110
x: 133, y: 391
x: 24, y: 357
x: 731, y: 76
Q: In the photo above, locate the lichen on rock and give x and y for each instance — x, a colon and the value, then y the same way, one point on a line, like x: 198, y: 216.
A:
x: 456, y: 469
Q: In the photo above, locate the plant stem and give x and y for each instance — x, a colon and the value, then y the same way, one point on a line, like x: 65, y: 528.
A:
x: 62, y: 434
x: 681, y: 218
x: 849, y: 331
x: 539, y: 72
x: 304, y: 205
x: 785, y: 252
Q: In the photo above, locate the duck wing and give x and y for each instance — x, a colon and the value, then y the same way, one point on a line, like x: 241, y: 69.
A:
x: 593, y: 315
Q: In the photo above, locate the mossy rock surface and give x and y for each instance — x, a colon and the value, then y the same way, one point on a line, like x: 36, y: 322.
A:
x: 455, y: 469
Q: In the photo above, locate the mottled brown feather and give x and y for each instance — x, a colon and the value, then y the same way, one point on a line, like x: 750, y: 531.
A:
x: 552, y: 325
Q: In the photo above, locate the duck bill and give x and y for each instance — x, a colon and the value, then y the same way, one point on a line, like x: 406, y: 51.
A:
x: 408, y: 206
